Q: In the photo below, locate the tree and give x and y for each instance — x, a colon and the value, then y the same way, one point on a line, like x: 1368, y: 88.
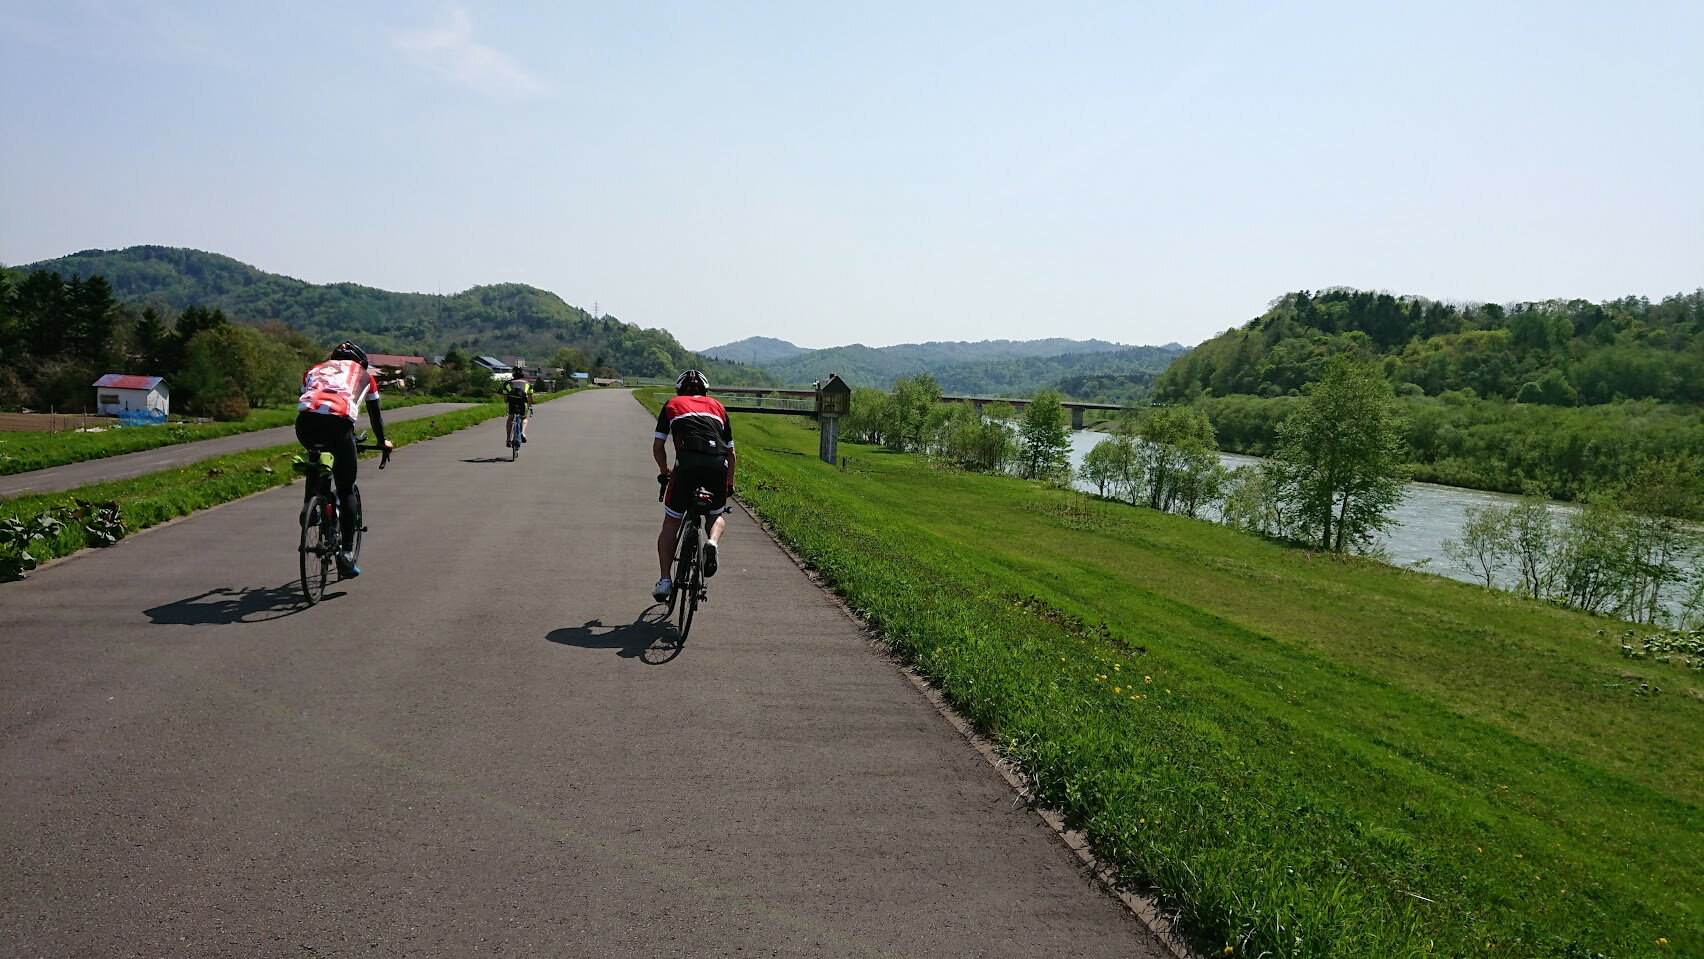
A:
x: 1532, y: 543
x: 872, y: 411
x: 1661, y: 502
x: 1343, y: 454
x: 1485, y: 542
x: 1591, y: 565
x: 1044, y: 438
x: 1100, y: 465
x: 151, y: 341
x: 914, y: 399
x: 1179, y: 457
x: 569, y: 360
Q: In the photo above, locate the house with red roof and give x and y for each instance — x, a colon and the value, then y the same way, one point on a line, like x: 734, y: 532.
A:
x: 394, y: 359
x: 117, y: 393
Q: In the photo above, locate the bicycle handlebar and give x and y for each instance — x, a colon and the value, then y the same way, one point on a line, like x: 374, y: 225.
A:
x: 384, y: 459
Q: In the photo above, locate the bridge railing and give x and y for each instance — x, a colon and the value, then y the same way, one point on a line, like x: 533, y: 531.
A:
x: 769, y: 404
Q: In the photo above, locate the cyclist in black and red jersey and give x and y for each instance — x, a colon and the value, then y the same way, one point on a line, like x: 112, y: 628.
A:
x: 704, y: 457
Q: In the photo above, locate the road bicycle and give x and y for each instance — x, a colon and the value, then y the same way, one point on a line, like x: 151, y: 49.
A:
x: 689, y: 590
x: 515, y: 441
x: 322, y: 532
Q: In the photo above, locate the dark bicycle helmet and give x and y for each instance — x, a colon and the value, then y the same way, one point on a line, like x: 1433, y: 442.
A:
x: 349, y: 351
x: 691, y: 382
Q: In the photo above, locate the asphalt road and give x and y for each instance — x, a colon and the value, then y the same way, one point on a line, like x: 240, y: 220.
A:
x: 479, y: 748
x: 73, y: 475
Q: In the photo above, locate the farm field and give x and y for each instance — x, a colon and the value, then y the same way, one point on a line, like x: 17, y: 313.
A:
x: 1295, y: 755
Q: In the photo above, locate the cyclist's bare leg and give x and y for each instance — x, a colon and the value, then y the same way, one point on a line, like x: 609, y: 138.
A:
x: 717, y: 527
x: 666, y: 545
x: 524, y: 421
x: 508, y: 428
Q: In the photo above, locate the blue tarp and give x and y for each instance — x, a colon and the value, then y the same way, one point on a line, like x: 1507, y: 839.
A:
x: 141, y: 418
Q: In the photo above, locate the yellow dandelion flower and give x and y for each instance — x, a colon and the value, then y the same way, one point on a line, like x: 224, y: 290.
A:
x: 1147, y: 679
x: 1117, y: 689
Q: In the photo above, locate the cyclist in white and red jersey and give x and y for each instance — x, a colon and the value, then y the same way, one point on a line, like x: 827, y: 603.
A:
x: 332, y: 393
x: 704, y: 457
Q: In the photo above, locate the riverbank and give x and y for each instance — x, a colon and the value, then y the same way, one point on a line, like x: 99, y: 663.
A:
x: 1297, y: 754
x: 1500, y: 446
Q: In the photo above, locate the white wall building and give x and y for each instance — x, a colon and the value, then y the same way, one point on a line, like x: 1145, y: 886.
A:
x: 117, y: 393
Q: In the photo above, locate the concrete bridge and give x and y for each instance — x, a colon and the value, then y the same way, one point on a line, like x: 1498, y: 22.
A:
x: 760, y: 399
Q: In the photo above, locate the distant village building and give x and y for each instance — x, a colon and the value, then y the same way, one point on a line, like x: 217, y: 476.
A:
x: 394, y: 359
x: 498, y: 369
x: 391, y: 368
x: 117, y: 393
x: 600, y: 381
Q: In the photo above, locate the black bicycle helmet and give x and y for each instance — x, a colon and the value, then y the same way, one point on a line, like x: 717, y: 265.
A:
x: 691, y: 382
x: 349, y: 351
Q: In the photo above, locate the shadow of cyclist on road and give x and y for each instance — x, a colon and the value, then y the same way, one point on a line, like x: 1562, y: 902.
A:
x: 649, y: 639
x: 227, y: 605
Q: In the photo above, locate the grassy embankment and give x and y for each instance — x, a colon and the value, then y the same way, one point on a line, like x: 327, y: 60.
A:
x: 148, y: 500
x: 21, y: 452
x: 1297, y: 755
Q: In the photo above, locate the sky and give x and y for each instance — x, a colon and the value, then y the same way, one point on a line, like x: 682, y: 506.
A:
x: 874, y: 172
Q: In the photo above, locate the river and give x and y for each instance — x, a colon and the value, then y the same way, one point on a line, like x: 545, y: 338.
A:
x: 1427, y: 515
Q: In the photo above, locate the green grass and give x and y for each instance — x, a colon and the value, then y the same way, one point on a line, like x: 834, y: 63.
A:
x: 148, y: 500
x: 1321, y: 758
x: 21, y: 452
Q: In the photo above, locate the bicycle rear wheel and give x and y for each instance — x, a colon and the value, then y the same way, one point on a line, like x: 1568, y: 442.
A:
x: 314, y: 555
x: 689, y: 602
x: 686, y: 570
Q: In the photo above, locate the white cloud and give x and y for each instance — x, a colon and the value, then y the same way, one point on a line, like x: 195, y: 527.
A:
x: 451, y: 51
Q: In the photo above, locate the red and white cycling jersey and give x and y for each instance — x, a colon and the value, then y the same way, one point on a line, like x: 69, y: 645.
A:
x: 336, y: 388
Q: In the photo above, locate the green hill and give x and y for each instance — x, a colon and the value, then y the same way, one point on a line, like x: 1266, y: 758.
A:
x: 1555, y: 352
x: 505, y: 318
x: 755, y: 349
x: 1559, y: 397
x: 1016, y: 367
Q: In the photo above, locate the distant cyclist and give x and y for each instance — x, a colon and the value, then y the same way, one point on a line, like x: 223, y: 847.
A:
x: 332, y: 393
x: 704, y: 457
x: 519, y: 395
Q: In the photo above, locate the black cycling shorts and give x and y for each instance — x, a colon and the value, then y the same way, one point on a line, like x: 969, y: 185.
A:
x: 692, y: 471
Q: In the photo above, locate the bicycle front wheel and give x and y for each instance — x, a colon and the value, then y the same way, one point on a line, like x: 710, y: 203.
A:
x: 314, y: 555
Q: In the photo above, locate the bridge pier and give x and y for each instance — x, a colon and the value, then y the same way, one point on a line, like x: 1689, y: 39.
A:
x: 1076, y: 417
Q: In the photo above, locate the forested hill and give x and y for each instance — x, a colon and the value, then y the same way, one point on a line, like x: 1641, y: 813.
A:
x: 1558, y: 353
x: 505, y: 318
x: 755, y: 349
x: 1017, y: 367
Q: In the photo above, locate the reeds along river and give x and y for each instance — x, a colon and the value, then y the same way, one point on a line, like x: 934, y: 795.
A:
x: 1426, y: 516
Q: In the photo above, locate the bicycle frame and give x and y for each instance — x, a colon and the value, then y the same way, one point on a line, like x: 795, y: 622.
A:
x: 321, y: 519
